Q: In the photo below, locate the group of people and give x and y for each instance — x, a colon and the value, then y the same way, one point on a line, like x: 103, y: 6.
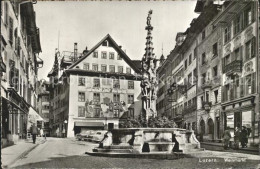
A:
x: 239, y: 136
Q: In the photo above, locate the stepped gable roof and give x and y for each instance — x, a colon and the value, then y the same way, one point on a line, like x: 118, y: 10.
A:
x: 116, y: 47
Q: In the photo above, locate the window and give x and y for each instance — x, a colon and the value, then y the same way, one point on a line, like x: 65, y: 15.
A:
x: 250, y: 49
x: 203, y: 80
x: 96, y: 83
x: 95, y: 54
x: 215, y: 49
x: 207, y: 96
x: 185, y: 65
x: 119, y: 57
x: 237, y: 24
x: 130, y: 99
x: 227, y: 60
x: 203, y: 58
x: 128, y: 70
x: 120, y: 69
x: 195, y: 53
x: 201, y: 99
x: 97, y: 112
x: 116, y: 83
x: 81, y: 111
x: 86, y: 66
x: 227, y: 34
x: 96, y: 97
x: 103, y: 55
x: 95, y: 67
x: 112, y: 68
x: 131, y: 84
x: 131, y: 112
x: 116, y: 97
x: 203, y: 34
x: 248, y: 17
x: 6, y: 13
x: 190, y: 59
x: 11, y: 29
x: 216, y: 96
x: 111, y: 55
x: 215, y: 70
x: 248, y: 84
x: 189, y: 80
x: 105, y: 43
x: 81, y: 81
x: 103, y: 68
x: 81, y: 97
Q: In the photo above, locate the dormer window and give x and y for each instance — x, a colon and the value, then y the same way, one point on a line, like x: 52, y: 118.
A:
x: 105, y: 43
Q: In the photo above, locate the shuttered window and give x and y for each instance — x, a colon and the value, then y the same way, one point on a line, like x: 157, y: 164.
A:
x: 11, y: 28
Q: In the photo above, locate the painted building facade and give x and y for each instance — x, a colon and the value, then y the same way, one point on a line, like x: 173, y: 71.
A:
x: 100, y: 87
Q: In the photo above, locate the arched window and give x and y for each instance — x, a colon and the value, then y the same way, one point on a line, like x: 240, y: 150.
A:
x: 211, y: 126
x: 202, y: 127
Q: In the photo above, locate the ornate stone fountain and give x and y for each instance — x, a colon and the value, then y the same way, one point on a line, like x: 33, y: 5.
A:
x: 148, y: 142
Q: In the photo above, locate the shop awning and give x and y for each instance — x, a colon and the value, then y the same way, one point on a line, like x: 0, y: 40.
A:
x: 34, y: 116
x: 89, y: 124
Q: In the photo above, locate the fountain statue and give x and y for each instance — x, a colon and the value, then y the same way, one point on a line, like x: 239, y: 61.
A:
x: 149, y: 82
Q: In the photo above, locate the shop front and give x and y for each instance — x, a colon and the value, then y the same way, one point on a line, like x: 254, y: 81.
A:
x: 242, y: 114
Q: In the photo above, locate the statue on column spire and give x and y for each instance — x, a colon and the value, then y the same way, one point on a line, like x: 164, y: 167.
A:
x: 149, y: 82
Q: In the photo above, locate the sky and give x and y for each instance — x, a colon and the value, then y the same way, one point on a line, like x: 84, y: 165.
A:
x: 87, y: 22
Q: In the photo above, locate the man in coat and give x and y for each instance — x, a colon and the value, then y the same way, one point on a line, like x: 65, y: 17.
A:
x: 244, y: 137
x: 34, y: 131
x: 226, y: 138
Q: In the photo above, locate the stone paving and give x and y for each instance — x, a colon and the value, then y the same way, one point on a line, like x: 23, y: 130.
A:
x: 69, y: 153
x: 12, y: 153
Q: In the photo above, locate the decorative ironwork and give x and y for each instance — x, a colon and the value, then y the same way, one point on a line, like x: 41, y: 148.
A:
x: 233, y: 67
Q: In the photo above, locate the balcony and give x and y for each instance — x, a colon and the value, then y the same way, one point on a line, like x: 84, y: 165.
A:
x: 190, y: 109
x: 206, y: 84
x: 233, y: 67
x: 206, y: 105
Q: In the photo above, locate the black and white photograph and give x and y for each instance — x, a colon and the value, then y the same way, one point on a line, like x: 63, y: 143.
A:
x: 130, y: 84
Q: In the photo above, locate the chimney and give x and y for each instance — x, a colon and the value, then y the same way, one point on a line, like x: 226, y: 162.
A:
x: 75, y: 51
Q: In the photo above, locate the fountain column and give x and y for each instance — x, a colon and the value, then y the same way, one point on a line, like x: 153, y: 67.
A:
x: 149, y: 82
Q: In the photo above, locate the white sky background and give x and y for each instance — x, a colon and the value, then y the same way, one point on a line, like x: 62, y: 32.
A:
x: 88, y: 22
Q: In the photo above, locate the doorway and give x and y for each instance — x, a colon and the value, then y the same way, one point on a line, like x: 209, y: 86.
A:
x: 110, y: 126
x: 237, y: 119
x: 218, y: 127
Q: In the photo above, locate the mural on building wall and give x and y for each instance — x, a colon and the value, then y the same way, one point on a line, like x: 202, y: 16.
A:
x: 105, y: 109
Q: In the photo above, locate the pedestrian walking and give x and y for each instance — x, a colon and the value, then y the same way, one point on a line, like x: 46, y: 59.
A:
x: 41, y: 133
x: 226, y: 138
x: 34, y: 131
x: 244, y: 137
x: 236, y: 138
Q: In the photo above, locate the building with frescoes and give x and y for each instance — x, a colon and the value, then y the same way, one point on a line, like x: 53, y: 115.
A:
x: 95, y: 89
x: 20, y: 48
x: 240, y: 58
